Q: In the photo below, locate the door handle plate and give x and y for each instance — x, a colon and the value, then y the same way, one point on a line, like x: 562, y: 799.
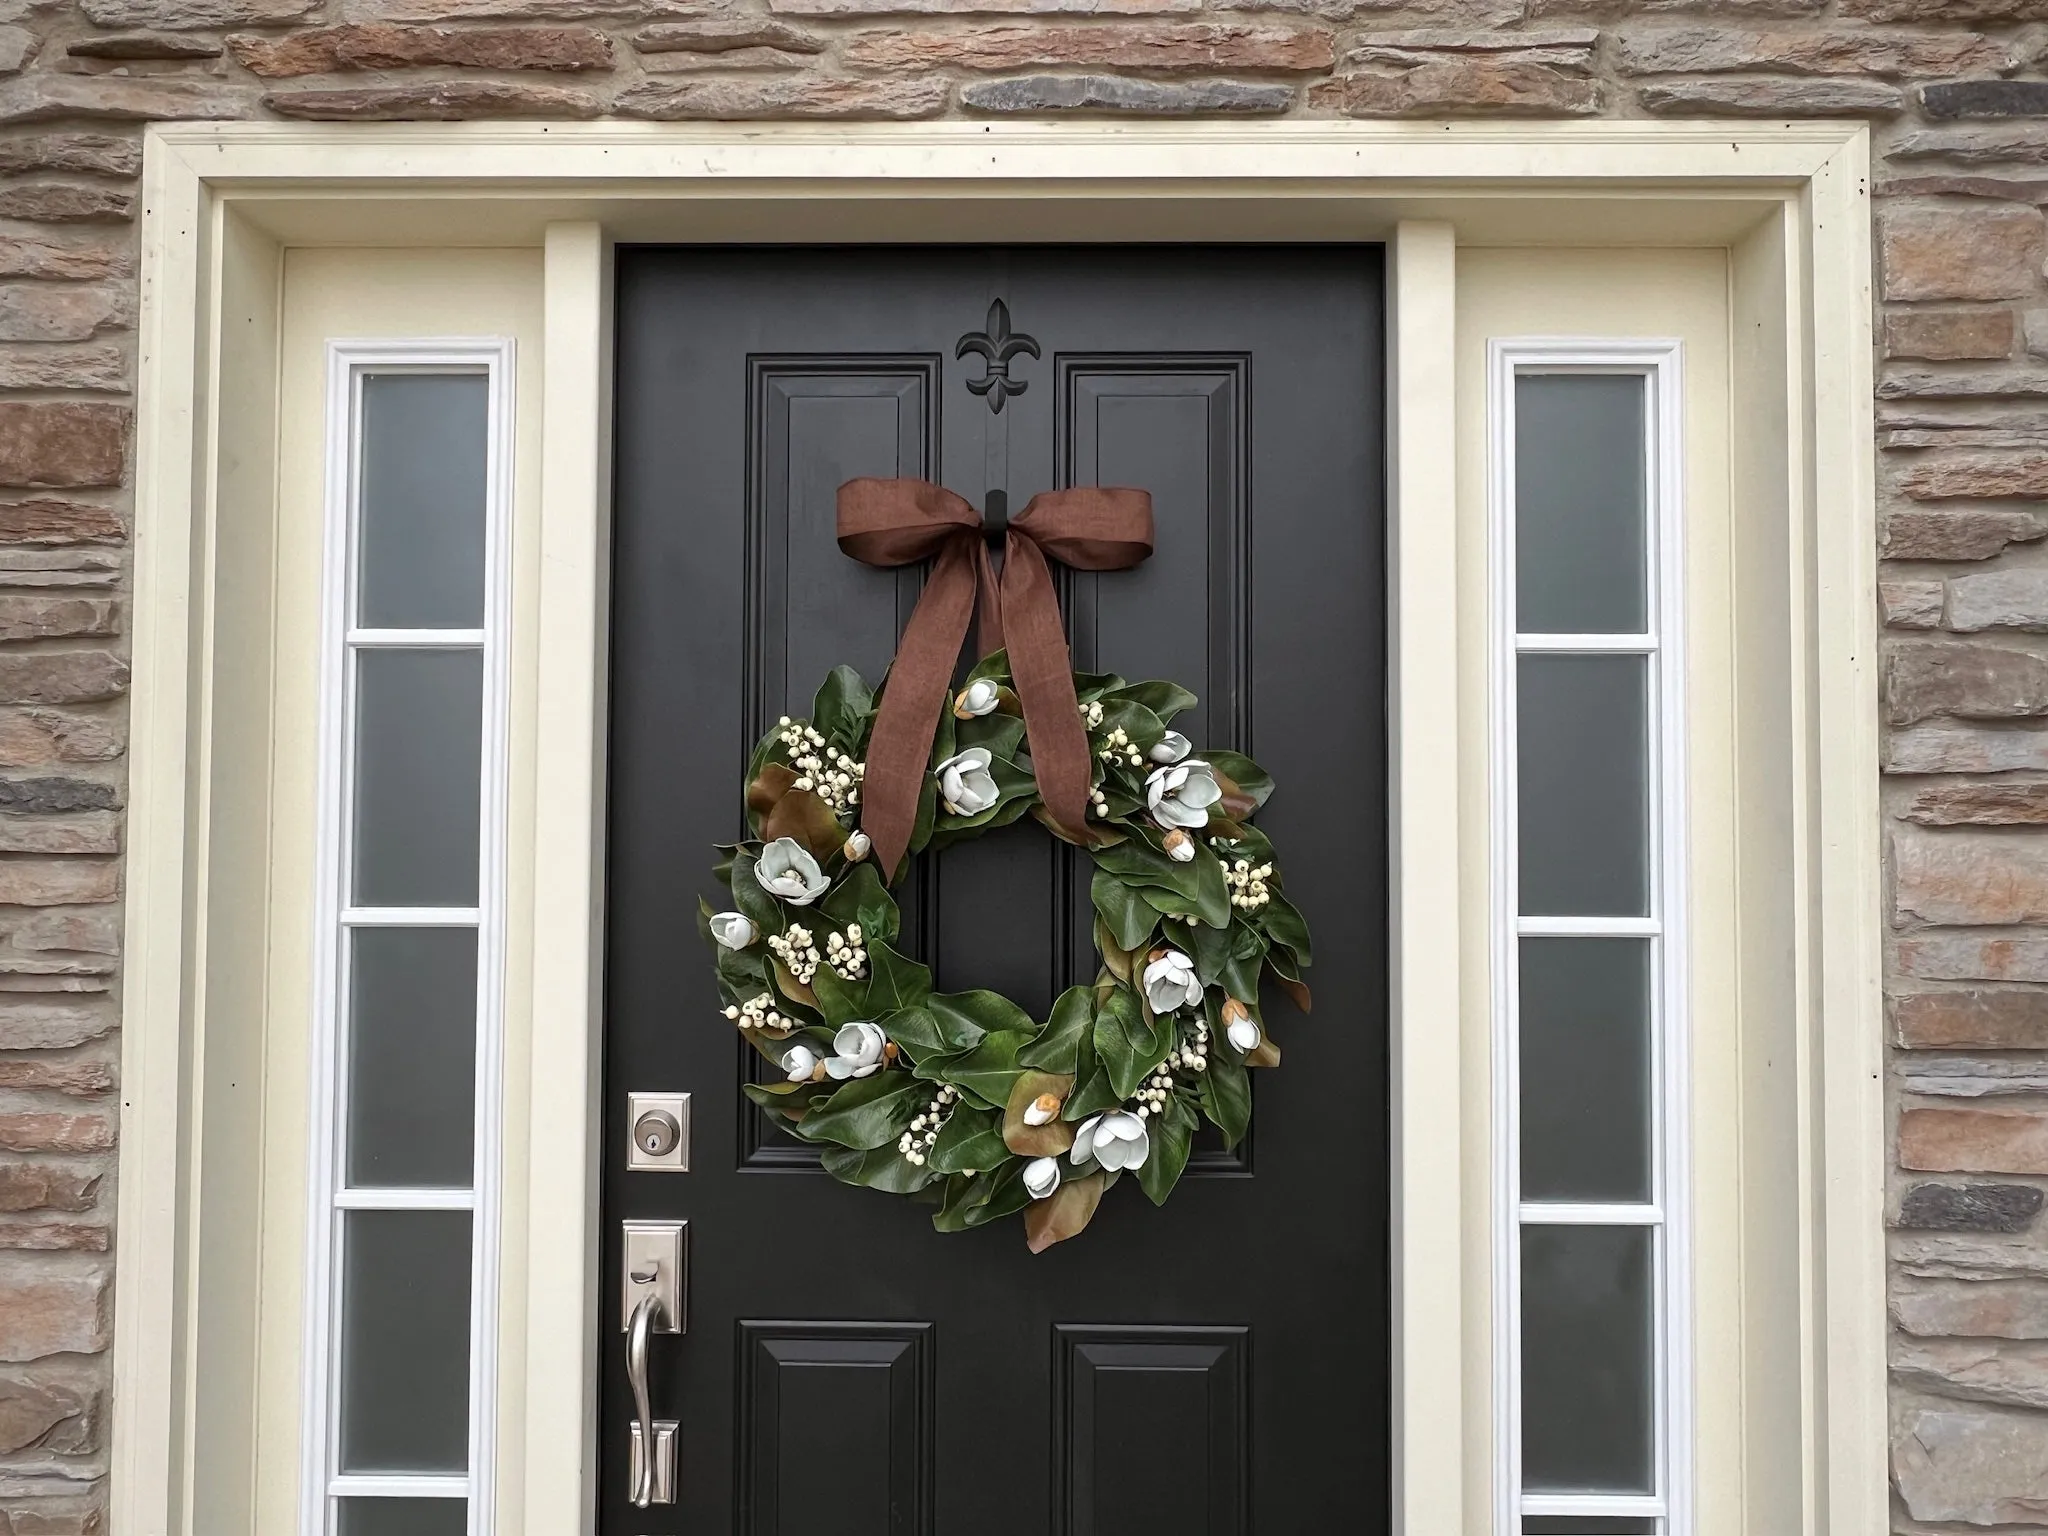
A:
x: 654, y: 1484
x: 659, y: 1251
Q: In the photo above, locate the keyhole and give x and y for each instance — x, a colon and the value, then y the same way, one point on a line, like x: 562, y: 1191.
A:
x: 657, y: 1132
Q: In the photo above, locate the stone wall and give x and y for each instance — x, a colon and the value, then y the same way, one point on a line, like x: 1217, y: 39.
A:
x: 1956, y: 93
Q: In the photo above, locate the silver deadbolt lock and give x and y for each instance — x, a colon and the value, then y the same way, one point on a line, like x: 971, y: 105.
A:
x: 656, y: 1133
x: 661, y: 1132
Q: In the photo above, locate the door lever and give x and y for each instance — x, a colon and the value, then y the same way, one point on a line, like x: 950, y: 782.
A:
x: 654, y: 1304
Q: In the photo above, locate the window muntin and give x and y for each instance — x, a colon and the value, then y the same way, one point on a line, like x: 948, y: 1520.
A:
x: 402, y: 1286
x: 1590, y: 1304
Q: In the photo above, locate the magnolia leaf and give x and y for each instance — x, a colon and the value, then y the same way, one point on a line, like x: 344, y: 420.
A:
x: 995, y: 666
x: 751, y: 897
x: 1089, y: 686
x: 970, y: 1015
x: 917, y: 1032
x: 1006, y: 1195
x: 882, y: 1168
x: 1297, y: 991
x: 1001, y: 734
x: 767, y: 788
x: 803, y: 816
x: 796, y: 991
x: 1209, y: 948
x: 1095, y: 834
x: 971, y: 1141
x: 860, y: 897
x: 1073, y: 1017
x: 843, y: 702
x: 1164, y: 699
x: 990, y: 1069
x: 1141, y: 726
x: 779, y: 1096
x: 1130, y: 918
x: 1226, y: 1095
x: 1267, y: 1053
x: 868, y: 1111
x: 1049, y: 1139
x: 1129, y: 1042
x: 1253, y: 786
x: 1064, y: 1213
x: 1286, y: 927
x: 1172, y: 1134
x: 1114, y: 955
x: 893, y: 981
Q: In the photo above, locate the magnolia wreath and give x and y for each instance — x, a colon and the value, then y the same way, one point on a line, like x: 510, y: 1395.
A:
x: 963, y: 1099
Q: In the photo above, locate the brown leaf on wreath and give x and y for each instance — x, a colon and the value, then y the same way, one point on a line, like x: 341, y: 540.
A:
x: 1114, y: 956
x: 1095, y: 835
x: 1236, y: 805
x: 1267, y: 1054
x: 802, y: 815
x: 793, y: 989
x: 1055, y: 1135
x: 769, y: 786
x: 1223, y: 826
x: 1064, y: 1213
x: 1296, y: 990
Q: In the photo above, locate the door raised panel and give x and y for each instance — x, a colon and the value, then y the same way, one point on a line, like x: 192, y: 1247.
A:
x: 836, y: 1429
x: 1131, y: 1402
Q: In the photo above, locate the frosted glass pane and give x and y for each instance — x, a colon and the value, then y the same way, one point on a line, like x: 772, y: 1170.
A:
x: 1581, y: 498
x: 412, y: 1057
x: 404, y: 1517
x: 1583, y: 728
x: 1587, y: 1359
x: 405, y: 1341
x: 418, y: 765
x: 420, y: 519
x: 1585, y: 1044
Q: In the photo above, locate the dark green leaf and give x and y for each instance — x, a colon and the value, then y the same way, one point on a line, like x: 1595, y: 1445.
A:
x: 1210, y: 950
x: 860, y: 897
x: 995, y: 666
x: 970, y: 1015
x: 990, y: 1069
x: 1093, y: 685
x: 1286, y: 927
x: 882, y: 1168
x: 1250, y: 777
x: 867, y: 1112
x: 1226, y: 1094
x: 1127, y: 1043
x: 750, y: 898
x: 839, y: 1000
x: 1073, y: 1015
x: 971, y: 1141
x: 1001, y: 734
x: 1164, y: 699
x: 1173, y: 1136
x: 777, y: 1097
x: 1131, y: 919
x: 973, y: 1201
x: 894, y: 981
x: 842, y: 703
x: 918, y: 1033
x: 1142, y: 727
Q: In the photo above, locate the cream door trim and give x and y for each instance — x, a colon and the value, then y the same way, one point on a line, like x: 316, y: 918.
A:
x: 1788, y: 202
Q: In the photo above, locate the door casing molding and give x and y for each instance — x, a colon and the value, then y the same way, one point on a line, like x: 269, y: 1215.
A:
x: 222, y: 202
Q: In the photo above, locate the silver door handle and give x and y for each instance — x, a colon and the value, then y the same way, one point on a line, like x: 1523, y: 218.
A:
x: 654, y: 1444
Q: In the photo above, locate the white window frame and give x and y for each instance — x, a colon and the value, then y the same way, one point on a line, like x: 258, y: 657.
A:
x: 348, y: 361
x: 1660, y: 363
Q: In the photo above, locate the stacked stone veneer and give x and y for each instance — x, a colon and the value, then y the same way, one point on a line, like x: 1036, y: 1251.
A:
x: 1955, y: 91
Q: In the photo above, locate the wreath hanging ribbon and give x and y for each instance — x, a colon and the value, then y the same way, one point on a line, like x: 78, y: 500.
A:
x: 962, y: 1098
x: 899, y: 522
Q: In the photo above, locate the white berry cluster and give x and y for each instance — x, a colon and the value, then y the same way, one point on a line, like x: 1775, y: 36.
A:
x: 916, y: 1143
x: 1152, y: 1096
x: 1091, y: 714
x: 1098, y: 804
x: 1247, y: 884
x: 1193, y: 1051
x: 834, y: 778
x: 847, y: 952
x: 1117, y: 748
x: 798, y: 952
x: 759, y: 1013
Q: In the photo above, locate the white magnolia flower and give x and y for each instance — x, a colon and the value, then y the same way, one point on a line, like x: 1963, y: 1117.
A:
x: 857, y: 1051
x: 1041, y: 1177
x: 964, y: 782
x: 800, y: 1061
x: 1180, y: 794
x: 1115, y: 1140
x: 977, y: 698
x: 1041, y: 1110
x: 857, y: 847
x: 1171, y: 749
x: 786, y: 869
x: 1170, y: 983
x: 735, y: 930
x: 1244, y: 1033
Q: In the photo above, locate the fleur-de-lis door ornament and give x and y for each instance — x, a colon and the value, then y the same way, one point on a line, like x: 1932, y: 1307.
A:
x: 998, y: 344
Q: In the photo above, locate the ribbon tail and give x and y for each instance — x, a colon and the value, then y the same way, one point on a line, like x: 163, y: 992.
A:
x: 900, y: 746
x: 1044, y: 673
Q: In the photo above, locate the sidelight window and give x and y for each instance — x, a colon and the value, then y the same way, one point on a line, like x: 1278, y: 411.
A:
x: 403, y: 1230
x: 1589, y: 1296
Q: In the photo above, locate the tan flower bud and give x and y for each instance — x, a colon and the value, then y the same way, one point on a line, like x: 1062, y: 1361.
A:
x: 1233, y: 1010
x: 857, y: 847
x: 1042, y: 1109
x: 1179, y: 846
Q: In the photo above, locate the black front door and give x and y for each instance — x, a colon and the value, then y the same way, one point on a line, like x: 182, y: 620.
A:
x: 1218, y: 1365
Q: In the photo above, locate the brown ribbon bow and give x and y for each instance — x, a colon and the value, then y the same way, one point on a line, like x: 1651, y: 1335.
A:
x: 899, y: 522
